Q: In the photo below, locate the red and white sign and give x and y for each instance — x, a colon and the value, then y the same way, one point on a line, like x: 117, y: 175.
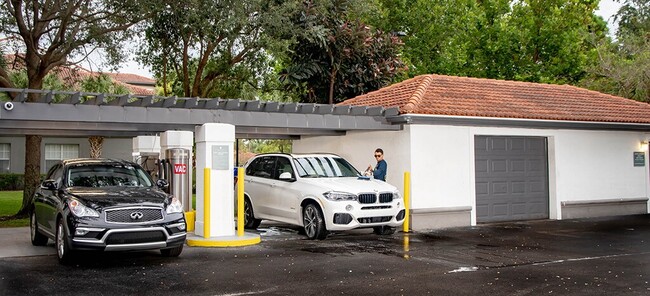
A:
x: 180, y: 169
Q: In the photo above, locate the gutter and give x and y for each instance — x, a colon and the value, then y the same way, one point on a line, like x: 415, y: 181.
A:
x: 513, y: 122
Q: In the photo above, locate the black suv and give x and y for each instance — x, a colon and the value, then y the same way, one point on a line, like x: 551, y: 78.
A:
x: 105, y: 204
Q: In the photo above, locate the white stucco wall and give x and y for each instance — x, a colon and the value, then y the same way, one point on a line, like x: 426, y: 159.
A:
x: 583, y: 165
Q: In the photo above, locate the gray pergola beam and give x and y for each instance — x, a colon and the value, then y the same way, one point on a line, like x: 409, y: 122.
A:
x: 394, y: 111
x: 125, y: 115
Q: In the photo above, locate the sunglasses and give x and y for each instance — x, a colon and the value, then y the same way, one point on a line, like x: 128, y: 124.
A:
x: 377, y: 155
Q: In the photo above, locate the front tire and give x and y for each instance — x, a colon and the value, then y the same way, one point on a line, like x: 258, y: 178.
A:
x: 172, y: 252
x: 312, y: 219
x: 38, y: 239
x: 63, y: 250
x: 249, y: 218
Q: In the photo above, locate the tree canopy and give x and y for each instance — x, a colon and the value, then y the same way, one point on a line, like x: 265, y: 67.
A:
x: 622, y: 66
x: 529, y: 40
x: 210, y: 48
x: 46, y: 34
x: 335, y: 56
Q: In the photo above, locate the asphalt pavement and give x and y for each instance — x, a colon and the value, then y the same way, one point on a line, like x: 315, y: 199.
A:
x: 604, y: 256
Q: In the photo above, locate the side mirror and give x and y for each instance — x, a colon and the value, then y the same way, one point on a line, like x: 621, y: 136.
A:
x: 49, y: 185
x: 286, y: 176
x: 162, y: 183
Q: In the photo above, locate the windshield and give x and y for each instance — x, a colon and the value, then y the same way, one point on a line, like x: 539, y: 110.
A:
x: 324, y: 166
x: 106, y: 175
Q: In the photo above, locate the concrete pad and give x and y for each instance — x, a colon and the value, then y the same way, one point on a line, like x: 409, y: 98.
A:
x: 15, y: 242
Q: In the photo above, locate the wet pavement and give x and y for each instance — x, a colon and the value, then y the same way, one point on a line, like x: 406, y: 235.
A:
x: 605, y: 256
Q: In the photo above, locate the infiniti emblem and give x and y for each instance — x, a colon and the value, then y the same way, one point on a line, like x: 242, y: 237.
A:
x: 136, y: 215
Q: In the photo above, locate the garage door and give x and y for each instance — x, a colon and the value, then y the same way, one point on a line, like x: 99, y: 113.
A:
x: 511, y: 178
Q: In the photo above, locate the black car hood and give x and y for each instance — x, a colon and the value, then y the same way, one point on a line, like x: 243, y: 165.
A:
x: 118, y: 196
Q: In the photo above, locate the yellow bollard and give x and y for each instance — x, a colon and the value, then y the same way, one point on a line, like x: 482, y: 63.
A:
x: 407, y: 199
x: 240, y: 202
x: 190, y: 217
x: 206, y: 203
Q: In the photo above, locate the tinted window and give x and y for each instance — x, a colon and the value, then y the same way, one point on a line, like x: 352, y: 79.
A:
x: 283, y: 165
x: 55, y: 173
x: 262, y: 167
x: 324, y: 166
x: 106, y: 175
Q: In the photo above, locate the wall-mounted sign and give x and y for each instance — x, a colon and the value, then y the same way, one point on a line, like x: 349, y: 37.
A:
x: 220, y: 157
x: 639, y: 159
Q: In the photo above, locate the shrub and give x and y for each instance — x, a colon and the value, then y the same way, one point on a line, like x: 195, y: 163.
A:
x: 11, y: 182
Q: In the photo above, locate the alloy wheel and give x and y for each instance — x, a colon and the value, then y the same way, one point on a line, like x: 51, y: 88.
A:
x: 309, y: 219
x: 60, y: 240
x: 32, y: 226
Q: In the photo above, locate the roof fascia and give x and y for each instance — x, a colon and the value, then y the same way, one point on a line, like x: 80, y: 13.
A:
x: 513, y: 122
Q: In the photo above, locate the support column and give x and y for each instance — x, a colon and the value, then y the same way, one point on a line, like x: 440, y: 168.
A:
x: 214, y: 150
x: 215, y: 154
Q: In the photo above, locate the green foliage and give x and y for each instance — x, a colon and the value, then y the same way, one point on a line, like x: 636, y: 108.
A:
x: 335, y: 56
x: 102, y: 83
x: 66, y: 31
x: 11, y: 182
x: 258, y: 146
x: 51, y: 81
x: 215, y: 49
x: 633, y: 18
x: 530, y: 40
x: 622, y: 67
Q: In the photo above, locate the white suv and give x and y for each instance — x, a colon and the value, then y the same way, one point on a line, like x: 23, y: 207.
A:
x: 321, y: 192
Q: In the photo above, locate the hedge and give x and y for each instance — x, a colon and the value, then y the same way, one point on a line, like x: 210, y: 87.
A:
x: 11, y: 182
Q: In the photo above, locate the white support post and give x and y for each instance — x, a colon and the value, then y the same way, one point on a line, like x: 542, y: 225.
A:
x: 214, y: 150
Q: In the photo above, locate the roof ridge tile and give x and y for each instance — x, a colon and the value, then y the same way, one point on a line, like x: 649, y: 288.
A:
x: 416, y: 98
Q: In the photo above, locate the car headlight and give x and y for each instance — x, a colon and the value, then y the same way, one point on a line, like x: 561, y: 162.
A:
x: 175, y: 206
x: 338, y: 196
x: 80, y: 210
x: 396, y: 195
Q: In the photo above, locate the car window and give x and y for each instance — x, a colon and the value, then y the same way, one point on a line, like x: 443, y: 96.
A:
x: 283, y: 165
x: 107, y: 175
x: 262, y: 167
x: 55, y: 173
x: 324, y: 166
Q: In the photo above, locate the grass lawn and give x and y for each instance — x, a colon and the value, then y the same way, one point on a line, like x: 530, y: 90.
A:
x: 10, y: 202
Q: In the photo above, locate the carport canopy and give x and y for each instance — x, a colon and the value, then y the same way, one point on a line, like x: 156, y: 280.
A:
x: 61, y: 113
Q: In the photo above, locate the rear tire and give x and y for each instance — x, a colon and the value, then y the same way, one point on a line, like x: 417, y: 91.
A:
x: 38, y: 239
x: 383, y: 230
x: 249, y: 217
x: 63, y: 250
x: 172, y: 252
x: 314, y: 224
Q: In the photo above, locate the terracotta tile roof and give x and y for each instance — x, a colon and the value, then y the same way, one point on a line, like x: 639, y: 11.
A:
x: 478, y: 97
x: 132, y: 78
x: 71, y: 75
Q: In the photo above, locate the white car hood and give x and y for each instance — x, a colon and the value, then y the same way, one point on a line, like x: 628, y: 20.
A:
x: 350, y: 184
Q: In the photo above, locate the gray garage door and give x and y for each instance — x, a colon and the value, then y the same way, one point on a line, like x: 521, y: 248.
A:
x: 511, y: 178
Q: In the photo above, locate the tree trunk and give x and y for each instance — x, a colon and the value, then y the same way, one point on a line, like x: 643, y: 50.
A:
x: 96, y: 146
x: 32, y: 153
x: 332, y: 80
x: 32, y: 171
